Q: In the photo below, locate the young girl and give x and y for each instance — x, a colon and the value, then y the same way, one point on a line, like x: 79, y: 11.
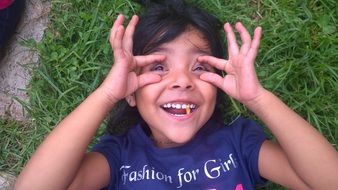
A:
x: 167, y: 66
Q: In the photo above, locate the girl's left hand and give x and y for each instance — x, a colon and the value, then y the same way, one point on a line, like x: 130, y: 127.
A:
x: 240, y: 81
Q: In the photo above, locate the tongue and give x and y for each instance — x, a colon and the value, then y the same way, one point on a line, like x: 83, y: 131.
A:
x: 175, y: 111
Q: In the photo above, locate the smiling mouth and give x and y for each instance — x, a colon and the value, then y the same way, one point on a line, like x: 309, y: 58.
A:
x: 179, y: 109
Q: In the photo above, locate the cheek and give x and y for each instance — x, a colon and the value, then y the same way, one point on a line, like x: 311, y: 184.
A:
x: 208, y: 90
x: 213, y: 97
x: 147, y: 94
x: 142, y: 99
x: 146, y: 102
x: 142, y: 95
x: 210, y: 96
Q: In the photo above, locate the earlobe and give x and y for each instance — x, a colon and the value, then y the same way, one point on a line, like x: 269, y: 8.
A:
x: 131, y: 100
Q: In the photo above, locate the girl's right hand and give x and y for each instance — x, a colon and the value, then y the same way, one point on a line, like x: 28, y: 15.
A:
x: 122, y: 80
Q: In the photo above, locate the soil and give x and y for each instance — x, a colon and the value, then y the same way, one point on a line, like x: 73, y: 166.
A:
x: 14, y: 74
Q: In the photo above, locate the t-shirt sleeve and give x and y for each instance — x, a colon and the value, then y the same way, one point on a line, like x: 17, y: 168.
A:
x: 109, y: 147
x: 250, y: 136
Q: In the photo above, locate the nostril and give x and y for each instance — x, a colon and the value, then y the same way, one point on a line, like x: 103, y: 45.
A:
x: 182, y: 81
x: 176, y: 86
x: 188, y: 86
x: 179, y: 86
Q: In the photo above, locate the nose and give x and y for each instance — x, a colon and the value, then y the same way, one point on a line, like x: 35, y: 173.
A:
x: 182, y: 81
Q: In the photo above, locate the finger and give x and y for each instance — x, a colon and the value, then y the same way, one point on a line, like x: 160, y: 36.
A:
x: 128, y: 36
x: 257, y: 38
x: 231, y: 39
x: 255, y: 44
x: 220, y: 64
x: 117, y: 43
x: 148, y: 78
x: 213, y: 78
x: 143, y: 60
x: 118, y: 22
x: 245, y: 37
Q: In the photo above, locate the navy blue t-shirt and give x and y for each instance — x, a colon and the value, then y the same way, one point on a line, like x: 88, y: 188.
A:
x: 218, y: 157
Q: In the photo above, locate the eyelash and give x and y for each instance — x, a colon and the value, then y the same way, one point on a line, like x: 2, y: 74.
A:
x: 204, y: 68
x: 198, y: 68
x: 157, y: 67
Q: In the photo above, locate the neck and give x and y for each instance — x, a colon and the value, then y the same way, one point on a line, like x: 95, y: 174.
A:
x: 164, y: 144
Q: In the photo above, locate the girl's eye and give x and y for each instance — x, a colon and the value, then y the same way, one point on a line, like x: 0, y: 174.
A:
x: 201, y: 68
x: 157, y: 67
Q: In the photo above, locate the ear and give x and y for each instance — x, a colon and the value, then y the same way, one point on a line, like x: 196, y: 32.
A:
x: 131, y: 100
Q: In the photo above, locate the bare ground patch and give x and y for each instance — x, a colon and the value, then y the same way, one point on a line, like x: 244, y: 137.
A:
x: 14, y: 75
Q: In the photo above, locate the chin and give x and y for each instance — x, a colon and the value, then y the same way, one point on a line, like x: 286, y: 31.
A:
x: 183, y: 138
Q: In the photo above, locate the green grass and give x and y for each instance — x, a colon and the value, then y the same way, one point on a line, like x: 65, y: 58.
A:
x: 297, y: 61
x: 18, y: 141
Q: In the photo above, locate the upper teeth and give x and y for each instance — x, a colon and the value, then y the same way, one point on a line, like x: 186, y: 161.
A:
x: 179, y: 106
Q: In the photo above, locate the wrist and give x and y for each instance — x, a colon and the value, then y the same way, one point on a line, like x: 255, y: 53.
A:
x: 107, y: 100
x: 260, y: 102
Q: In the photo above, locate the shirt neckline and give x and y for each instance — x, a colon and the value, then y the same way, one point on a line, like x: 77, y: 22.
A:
x: 193, y: 143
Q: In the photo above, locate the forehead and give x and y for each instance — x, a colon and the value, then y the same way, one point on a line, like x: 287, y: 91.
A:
x: 190, y: 39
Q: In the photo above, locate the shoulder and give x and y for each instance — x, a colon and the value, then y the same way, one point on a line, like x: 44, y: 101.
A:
x: 245, y: 135
x: 108, y: 141
x: 243, y: 122
x: 247, y: 131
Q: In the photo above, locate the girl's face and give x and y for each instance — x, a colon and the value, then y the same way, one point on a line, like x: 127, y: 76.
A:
x: 181, y: 103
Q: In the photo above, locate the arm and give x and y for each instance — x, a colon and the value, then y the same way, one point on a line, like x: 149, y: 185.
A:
x: 303, y: 159
x: 56, y: 161
x: 60, y: 160
x: 308, y: 152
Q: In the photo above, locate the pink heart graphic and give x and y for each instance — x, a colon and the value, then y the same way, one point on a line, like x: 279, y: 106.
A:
x: 239, y: 187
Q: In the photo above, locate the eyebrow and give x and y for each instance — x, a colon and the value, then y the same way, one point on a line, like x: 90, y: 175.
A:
x: 161, y: 49
x: 202, y: 51
x: 197, y: 50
